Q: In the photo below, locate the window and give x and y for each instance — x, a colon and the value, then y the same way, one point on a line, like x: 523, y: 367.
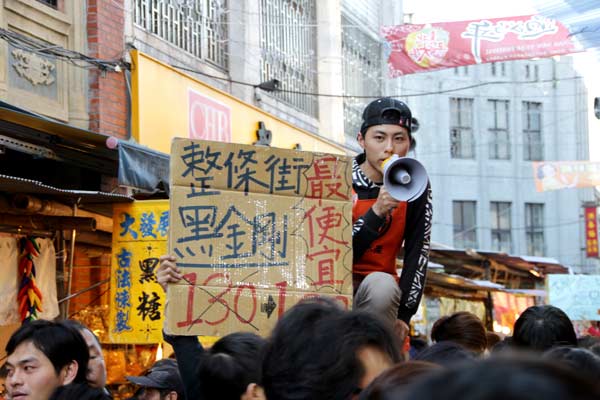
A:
x: 362, y: 67
x: 466, y: 70
x: 493, y: 67
x: 465, y: 224
x: 500, y: 215
x: 533, y: 149
x: 51, y: 3
x: 499, y: 140
x: 536, y: 72
x: 503, y: 69
x: 534, y: 228
x: 462, y: 142
x: 527, y: 73
x: 289, y: 50
x: 197, y: 27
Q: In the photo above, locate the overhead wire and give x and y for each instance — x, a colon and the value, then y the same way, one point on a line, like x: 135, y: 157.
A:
x: 32, y: 45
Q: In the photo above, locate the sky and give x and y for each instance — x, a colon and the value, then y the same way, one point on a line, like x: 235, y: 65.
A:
x: 424, y: 11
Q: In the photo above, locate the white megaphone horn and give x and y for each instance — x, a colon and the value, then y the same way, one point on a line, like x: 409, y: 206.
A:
x: 404, y: 178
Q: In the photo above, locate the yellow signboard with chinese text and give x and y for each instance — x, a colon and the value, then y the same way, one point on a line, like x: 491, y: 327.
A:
x: 136, y: 299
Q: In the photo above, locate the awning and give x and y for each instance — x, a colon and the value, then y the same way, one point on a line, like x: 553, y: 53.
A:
x: 502, y: 266
x: 136, y: 166
x: 143, y: 168
x: 447, y: 285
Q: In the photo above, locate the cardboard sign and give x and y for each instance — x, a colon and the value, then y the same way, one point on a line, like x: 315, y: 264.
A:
x: 255, y: 230
x: 136, y: 299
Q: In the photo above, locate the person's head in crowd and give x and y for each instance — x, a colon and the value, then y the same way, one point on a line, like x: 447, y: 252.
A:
x: 492, y: 339
x: 542, y: 327
x: 501, y: 378
x: 161, y: 382
x: 362, y: 347
x: 318, y: 351
x: 232, y: 368
x: 445, y: 353
x: 41, y: 356
x: 579, y: 360
x: 96, y: 372
x: 463, y: 328
x: 79, y: 391
x: 291, y: 346
x: 398, y: 376
x: 503, y: 345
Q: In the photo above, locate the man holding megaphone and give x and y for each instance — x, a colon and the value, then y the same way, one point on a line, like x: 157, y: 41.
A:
x: 392, y: 208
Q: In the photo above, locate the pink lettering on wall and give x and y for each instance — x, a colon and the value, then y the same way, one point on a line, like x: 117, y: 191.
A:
x: 208, y: 118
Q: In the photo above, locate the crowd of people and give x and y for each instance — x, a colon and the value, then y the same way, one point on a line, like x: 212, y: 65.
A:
x: 319, y: 351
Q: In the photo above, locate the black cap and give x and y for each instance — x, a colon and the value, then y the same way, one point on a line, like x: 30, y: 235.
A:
x: 164, y: 374
x: 386, y: 111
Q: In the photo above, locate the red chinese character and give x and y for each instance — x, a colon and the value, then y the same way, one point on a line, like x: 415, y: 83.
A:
x: 326, y: 175
x: 320, y: 224
x: 326, y: 267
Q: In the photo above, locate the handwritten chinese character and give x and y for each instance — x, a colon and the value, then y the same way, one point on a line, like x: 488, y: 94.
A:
x: 320, y: 222
x: 198, y: 159
x: 123, y: 278
x: 163, y: 224
x: 147, y: 267
x: 122, y: 321
x: 148, y: 307
x: 124, y: 258
x: 198, y: 220
x: 147, y: 222
x: 122, y: 299
x: 127, y: 223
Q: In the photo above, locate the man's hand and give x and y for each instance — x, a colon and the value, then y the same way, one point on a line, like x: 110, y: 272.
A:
x: 167, y: 272
x: 384, y: 204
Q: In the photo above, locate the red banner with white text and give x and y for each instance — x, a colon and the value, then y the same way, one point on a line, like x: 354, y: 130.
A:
x: 420, y: 48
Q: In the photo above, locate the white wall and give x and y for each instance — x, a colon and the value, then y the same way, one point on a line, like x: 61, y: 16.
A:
x: 565, y: 133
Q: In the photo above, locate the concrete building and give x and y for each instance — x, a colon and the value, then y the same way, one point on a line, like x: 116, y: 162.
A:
x: 310, y: 47
x: 479, y: 143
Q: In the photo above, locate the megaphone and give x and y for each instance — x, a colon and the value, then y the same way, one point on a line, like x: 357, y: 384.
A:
x: 404, y: 178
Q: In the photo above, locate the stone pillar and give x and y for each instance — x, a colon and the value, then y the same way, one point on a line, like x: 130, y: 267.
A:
x: 329, y: 67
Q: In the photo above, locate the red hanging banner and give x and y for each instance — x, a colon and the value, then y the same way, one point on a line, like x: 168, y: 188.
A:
x: 591, y: 232
x: 421, y: 48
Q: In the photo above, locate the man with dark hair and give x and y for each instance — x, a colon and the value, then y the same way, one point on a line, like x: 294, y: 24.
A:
x: 382, y: 225
x: 540, y: 328
x: 96, y: 372
x: 318, y: 351
x: 160, y: 382
x: 42, y: 356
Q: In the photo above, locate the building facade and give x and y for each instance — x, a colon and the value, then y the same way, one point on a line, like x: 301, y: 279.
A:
x: 478, y: 144
x: 331, y: 48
